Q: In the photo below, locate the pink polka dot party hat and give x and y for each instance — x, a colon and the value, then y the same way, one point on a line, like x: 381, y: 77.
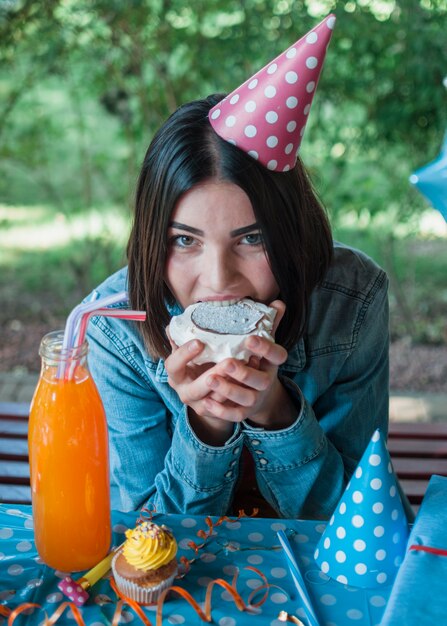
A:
x: 266, y: 116
x: 365, y: 540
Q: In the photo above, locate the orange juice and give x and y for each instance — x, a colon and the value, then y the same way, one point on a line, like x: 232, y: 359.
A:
x: 68, y: 451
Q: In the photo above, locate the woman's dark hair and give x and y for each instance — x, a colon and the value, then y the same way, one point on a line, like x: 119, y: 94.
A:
x: 296, y: 232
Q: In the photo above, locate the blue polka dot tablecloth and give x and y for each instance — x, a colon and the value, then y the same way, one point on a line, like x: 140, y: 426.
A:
x: 246, y: 542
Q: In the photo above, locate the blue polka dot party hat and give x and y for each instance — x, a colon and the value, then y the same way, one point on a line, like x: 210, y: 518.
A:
x: 365, y: 540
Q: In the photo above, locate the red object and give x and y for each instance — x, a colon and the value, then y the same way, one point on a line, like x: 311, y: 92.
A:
x: 267, y: 114
x: 438, y: 551
x: 247, y: 496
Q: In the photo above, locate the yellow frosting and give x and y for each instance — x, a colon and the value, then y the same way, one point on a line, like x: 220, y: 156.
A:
x: 149, y: 546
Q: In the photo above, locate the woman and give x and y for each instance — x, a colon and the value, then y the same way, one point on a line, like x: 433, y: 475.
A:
x: 213, y: 223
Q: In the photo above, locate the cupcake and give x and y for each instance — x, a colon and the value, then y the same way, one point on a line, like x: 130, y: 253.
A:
x: 223, y: 327
x: 146, y: 565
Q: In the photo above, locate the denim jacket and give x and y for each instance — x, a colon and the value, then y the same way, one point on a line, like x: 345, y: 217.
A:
x: 338, y: 374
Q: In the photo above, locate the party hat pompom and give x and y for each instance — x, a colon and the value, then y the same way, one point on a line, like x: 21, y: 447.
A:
x: 365, y: 541
x: 266, y: 116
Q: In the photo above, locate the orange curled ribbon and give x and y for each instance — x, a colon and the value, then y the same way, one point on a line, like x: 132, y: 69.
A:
x: 267, y: 586
x: 119, y: 610
x: 231, y: 590
x: 134, y: 605
x: 146, y: 514
x: 206, y: 614
x: 186, y: 596
x: 48, y: 621
x: 205, y: 535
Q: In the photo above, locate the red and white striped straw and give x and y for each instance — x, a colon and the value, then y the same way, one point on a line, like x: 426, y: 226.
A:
x: 125, y: 314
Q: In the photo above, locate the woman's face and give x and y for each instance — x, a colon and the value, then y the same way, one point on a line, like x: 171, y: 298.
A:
x: 215, y: 249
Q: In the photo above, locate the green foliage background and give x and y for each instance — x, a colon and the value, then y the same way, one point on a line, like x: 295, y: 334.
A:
x: 85, y: 83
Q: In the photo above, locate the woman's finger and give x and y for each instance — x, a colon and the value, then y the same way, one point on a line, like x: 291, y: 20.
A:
x: 242, y: 373
x: 280, y: 308
x: 254, y: 362
x: 240, y: 395
x: 228, y: 411
x: 177, y: 362
x: 265, y: 349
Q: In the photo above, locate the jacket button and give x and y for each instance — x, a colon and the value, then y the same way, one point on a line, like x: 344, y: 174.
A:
x: 236, y: 450
x: 255, y: 442
x: 229, y: 474
x: 263, y: 461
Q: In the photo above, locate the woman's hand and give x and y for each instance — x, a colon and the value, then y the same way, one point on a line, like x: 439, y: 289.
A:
x: 232, y: 391
x: 253, y: 391
x: 189, y: 381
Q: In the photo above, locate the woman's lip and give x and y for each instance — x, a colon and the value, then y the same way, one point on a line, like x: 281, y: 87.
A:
x: 220, y: 298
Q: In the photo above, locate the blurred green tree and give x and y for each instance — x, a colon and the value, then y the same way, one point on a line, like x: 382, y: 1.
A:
x: 86, y: 82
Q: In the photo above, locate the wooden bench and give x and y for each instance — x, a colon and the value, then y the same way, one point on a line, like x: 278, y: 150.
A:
x: 418, y: 450
x: 14, y: 467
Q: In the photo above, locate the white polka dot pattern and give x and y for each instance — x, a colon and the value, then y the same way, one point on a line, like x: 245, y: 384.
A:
x: 367, y: 540
x: 24, y: 579
x: 267, y: 114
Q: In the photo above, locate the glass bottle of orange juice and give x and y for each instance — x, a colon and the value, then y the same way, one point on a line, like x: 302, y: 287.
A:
x: 68, y: 453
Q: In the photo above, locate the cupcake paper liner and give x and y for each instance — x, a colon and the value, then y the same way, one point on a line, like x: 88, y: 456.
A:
x: 142, y: 595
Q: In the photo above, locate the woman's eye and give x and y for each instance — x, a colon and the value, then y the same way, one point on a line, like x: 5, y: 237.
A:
x: 182, y: 241
x: 253, y: 239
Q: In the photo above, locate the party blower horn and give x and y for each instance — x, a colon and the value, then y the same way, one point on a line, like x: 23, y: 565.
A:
x: 76, y: 590
x: 365, y: 541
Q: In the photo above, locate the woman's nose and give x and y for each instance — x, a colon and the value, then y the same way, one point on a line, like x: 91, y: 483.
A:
x: 219, y: 271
